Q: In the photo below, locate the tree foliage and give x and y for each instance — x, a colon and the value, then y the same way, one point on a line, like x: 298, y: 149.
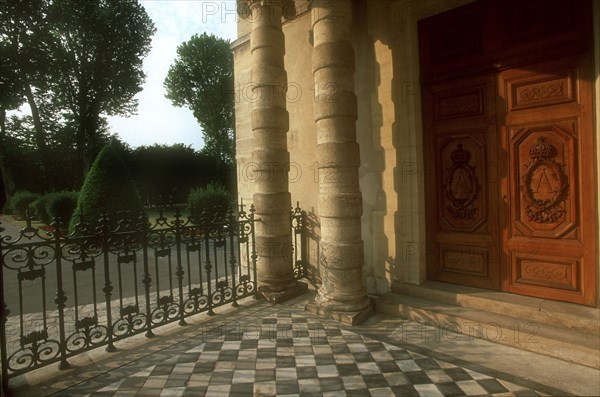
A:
x: 64, y: 170
x: 99, y: 47
x: 22, y: 36
x: 73, y: 62
x: 201, y: 78
x: 108, y: 188
x: 168, y: 173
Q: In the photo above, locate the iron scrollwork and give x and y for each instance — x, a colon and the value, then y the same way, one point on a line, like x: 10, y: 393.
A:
x: 125, y: 276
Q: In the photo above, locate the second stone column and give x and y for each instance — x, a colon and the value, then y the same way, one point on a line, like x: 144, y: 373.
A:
x: 342, y: 295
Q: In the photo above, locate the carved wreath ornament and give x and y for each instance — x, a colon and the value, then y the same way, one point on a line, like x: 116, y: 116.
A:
x: 461, y: 185
x: 545, y: 184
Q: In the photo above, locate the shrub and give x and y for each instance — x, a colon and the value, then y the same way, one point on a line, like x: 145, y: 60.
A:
x: 20, y: 201
x: 108, y: 188
x: 210, y: 200
x: 55, y: 205
x: 61, y: 205
x: 39, y: 209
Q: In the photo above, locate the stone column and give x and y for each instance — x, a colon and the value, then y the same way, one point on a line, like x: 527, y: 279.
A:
x: 270, y: 123
x: 343, y: 295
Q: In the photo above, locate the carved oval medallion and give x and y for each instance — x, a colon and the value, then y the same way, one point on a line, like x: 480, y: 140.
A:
x: 462, y: 186
x: 545, y: 184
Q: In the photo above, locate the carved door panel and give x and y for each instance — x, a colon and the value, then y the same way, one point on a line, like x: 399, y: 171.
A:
x: 461, y: 140
x: 509, y: 144
x: 549, y: 208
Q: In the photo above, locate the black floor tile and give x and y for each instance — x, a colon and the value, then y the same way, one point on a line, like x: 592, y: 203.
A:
x: 249, y: 344
x: 163, y: 369
x: 241, y: 389
x: 492, y: 386
x: 358, y: 393
x: 204, y: 366
x: 348, y: 369
x: 188, y: 358
x: 287, y: 387
x: 449, y: 389
x: 264, y: 375
x: 306, y: 372
x: 285, y: 361
x: 400, y: 355
x: 417, y: 377
x: 363, y: 357
x: 340, y: 348
x: 457, y: 374
x: 388, y: 366
x: 212, y: 346
x: 228, y: 355
x: 427, y: 363
x: 375, y: 380
x: 266, y: 353
x: 404, y: 391
x: 324, y: 359
x: 221, y: 378
x: 331, y: 384
x: 195, y: 392
x: 375, y: 346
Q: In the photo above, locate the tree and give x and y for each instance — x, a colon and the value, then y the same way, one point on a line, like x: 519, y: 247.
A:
x: 8, y: 100
x: 108, y: 188
x: 22, y: 36
x: 170, y: 172
x: 202, y: 79
x: 98, y: 46
x: 73, y: 62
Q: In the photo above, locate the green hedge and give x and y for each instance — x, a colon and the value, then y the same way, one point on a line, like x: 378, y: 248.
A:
x: 39, y: 209
x: 20, y: 201
x: 56, y: 205
x: 108, y: 188
x: 61, y: 205
x: 210, y: 200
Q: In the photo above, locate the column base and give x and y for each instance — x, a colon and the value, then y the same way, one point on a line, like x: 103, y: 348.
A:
x: 350, y: 318
x: 281, y: 296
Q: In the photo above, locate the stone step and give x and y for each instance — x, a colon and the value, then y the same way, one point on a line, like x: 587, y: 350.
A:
x: 451, y: 322
x: 567, y: 315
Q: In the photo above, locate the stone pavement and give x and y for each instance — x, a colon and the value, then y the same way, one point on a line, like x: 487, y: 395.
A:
x: 263, y: 350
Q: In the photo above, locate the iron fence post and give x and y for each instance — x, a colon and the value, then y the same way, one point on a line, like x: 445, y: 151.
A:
x: 3, y: 320
x: 108, y: 288
x: 304, y: 245
x: 233, y: 224
x: 207, y: 266
x: 179, y: 273
x: 61, y: 297
x: 253, y: 255
x: 147, y: 280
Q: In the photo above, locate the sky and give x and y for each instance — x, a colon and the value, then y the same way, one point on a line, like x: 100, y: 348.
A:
x: 157, y: 120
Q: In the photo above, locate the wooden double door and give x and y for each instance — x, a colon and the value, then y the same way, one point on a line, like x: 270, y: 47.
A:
x: 510, y: 155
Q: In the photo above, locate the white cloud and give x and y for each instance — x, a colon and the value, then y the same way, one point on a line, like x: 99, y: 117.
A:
x: 157, y: 121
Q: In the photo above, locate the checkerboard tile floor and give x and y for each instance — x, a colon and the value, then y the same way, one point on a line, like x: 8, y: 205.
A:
x: 291, y: 353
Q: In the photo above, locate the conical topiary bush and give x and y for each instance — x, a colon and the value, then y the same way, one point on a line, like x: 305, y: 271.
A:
x: 108, y: 188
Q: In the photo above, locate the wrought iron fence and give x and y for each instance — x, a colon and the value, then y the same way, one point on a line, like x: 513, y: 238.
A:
x: 62, y: 294
x: 305, y: 240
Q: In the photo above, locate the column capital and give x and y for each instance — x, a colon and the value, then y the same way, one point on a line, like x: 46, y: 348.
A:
x: 244, y: 7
